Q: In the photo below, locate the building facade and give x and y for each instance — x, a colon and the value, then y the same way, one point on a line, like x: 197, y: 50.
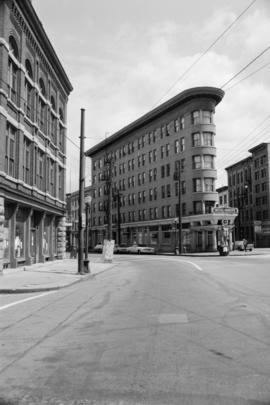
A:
x: 34, y: 91
x: 223, y: 196
x: 72, y: 221
x: 248, y: 186
x: 161, y: 169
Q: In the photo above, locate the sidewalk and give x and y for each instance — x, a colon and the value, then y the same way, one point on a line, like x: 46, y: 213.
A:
x: 49, y: 276
x: 62, y: 273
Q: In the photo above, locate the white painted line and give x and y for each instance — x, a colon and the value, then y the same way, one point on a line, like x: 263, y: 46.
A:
x: 25, y: 300
x: 193, y: 264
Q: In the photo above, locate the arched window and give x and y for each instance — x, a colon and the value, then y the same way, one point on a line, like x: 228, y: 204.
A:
x: 28, y: 68
x: 53, y: 103
x: 42, y: 87
x: 13, y: 47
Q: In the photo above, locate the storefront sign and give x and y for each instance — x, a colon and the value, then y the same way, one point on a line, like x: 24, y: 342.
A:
x: 225, y: 210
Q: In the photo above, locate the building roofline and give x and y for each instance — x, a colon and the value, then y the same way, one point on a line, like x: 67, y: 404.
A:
x: 31, y: 16
x: 181, y: 98
x: 239, y: 162
x: 222, y: 188
x: 260, y: 146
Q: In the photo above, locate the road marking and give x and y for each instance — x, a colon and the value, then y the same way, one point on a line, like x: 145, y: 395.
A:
x: 193, y: 264
x: 172, y: 259
x: 25, y: 300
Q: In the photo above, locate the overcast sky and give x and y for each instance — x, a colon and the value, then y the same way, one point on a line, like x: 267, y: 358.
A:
x: 123, y: 56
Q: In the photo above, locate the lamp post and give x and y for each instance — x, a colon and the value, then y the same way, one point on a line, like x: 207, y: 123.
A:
x: 87, y: 201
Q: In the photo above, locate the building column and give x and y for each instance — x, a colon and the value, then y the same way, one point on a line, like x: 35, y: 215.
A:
x: 214, y: 240
x: 2, y: 219
x: 61, y: 238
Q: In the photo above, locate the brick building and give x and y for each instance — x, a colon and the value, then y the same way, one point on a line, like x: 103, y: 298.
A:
x: 223, y: 196
x: 145, y: 158
x: 248, y: 187
x: 34, y: 91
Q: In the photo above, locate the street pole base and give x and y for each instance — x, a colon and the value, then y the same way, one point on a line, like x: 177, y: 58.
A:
x: 86, y: 266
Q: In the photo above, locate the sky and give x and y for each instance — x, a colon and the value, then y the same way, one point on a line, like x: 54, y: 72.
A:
x: 125, y: 57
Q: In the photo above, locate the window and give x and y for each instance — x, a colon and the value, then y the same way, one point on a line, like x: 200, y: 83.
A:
x: 197, y: 207
x: 40, y: 169
x: 182, y: 144
x: 151, y: 193
x: 42, y: 87
x: 184, y: 209
x: 209, y: 185
x: 12, y: 81
x: 51, y: 177
x: 154, y: 155
x: 176, y: 189
x: 208, y: 139
x: 41, y: 115
x: 162, y: 152
x: 167, y: 149
x: 208, y: 161
x: 183, y: 187
x: 162, y: 168
x: 150, y: 156
x: 26, y: 160
x: 168, y: 169
x: 163, y: 191
x: 168, y: 188
x: 195, y: 117
x: 150, y: 175
x: 176, y: 146
x: 182, y: 123
x: 196, y: 139
x: 207, y: 117
x: 10, y: 155
x: 155, y: 174
x: 197, y: 185
x: 60, y: 183
x: 177, y: 125
x: 196, y: 162
x: 28, y: 106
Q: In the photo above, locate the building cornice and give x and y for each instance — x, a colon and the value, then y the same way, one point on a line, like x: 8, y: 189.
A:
x: 213, y: 93
x: 26, y: 8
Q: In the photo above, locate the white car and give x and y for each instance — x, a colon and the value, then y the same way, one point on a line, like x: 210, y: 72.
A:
x: 98, y: 248
x: 120, y: 249
x: 141, y: 249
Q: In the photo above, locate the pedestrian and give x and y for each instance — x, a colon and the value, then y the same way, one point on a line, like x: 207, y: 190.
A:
x: 245, y: 242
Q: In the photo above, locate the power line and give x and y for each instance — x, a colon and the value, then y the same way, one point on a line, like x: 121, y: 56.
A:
x: 245, y: 67
x: 205, y: 52
x: 239, y: 145
x: 246, y: 77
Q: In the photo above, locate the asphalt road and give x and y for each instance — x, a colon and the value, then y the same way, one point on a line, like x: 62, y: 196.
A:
x: 152, y: 330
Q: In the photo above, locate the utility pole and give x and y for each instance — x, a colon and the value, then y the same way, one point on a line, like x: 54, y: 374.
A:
x: 81, y: 195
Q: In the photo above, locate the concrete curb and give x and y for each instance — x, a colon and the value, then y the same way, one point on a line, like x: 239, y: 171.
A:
x: 44, y: 289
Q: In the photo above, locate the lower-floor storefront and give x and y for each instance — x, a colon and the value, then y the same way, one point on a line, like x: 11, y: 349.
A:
x: 199, y: 233
x: 29, y: 234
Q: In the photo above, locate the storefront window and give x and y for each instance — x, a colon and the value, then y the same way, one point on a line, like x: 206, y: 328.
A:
x: 6, y: 241
x: 20, y: 234
x: 153, y: 233
x: 46, y: 235
x: 166, y: 234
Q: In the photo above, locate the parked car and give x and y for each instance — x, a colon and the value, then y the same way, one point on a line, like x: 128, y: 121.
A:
x: 120, y: 249
x: 141, y: 249
x: 98, y: 248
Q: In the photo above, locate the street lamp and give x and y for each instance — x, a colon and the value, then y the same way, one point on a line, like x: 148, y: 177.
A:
x: 87, y: 201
